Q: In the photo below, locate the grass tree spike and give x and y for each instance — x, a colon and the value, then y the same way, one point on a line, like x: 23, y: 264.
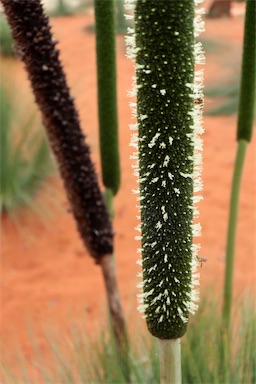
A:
x: 36, y: 47
x: 107, y: 99
x: 248, y: 75
x: 244, y: 135
x: 169, y: 104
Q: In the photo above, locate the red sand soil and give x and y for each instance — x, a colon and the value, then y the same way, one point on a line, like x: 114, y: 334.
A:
x: 47, y: 275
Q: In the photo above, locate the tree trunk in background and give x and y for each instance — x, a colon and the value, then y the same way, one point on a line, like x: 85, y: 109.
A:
x: 220, y: 8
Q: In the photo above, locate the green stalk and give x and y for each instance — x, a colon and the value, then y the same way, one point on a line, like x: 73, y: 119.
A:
x: 170, y: 361
x: 232, y: 225
x: 108, y: 196
x: 244, y: 134
x: 107, y: 98
x: 109, y: 151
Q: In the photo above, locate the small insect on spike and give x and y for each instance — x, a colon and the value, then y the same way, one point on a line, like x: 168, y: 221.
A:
x: 169, y: 106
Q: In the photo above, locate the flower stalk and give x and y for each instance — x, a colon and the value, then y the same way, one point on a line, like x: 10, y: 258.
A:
x: 244, y: 135
x: 109, y: 150
x: 169, y: 106
x: 170, y: 361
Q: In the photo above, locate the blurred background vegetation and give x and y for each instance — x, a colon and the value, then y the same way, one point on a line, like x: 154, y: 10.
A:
x: 206, y: 356
x: 6, y: 42
x: 25, y: 160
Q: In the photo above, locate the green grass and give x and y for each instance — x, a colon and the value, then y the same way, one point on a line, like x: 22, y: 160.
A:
x: 215, y: 46
x: 61, y: 9
x: 65, y: 8
x: 121, y: 23
x: 6, y: 41
x: 227, y: 98
x: 206, y: 356
x: 25, y: 160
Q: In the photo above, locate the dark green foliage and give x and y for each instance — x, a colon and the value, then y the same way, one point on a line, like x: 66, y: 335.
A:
x: 6, y: 41
x: 165, y: 71
x: 31, y: 31
x: 248, y: 77
x: 107, y: 98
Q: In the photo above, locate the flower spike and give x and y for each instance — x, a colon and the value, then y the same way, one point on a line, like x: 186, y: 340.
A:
x: 169, y: 109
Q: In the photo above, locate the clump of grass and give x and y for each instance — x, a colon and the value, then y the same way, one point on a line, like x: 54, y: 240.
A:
x: 61, y: 9
x: 206, y: 344
x: 25, y: 160
x: 121, y: 22
x: 214, y: 46
x: 228, y: 92
x: 65, y: 8
x: 6, y: 41
x: 75, y: 359
x: 227, y: 98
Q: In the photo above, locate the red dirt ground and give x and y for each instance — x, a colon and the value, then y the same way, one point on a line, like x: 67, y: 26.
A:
x: 46, y: 274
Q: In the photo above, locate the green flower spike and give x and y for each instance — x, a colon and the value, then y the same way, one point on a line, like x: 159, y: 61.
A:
x: 169, y: 108
x: 107, y: 97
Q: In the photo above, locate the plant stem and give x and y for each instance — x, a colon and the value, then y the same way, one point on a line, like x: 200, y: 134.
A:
x: 170, y: 361
x: 244, y: 134
x: 117, y: 317
x: 232, y: 224
x: 109, y: 200
x: 113, y: 297
x: 115, y: 308
x: 108, y: 196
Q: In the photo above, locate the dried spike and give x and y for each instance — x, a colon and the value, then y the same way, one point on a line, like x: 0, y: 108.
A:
x: 61, y: 122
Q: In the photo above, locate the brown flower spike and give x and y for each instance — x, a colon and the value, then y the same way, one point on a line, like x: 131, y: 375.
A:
x: 36, y: 47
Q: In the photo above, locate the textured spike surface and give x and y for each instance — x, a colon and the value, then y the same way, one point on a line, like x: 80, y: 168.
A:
x: 36, y: 47
x: 164, y: 50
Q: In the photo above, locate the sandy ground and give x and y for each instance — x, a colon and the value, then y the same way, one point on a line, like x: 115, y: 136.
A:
x: 47, y: 276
